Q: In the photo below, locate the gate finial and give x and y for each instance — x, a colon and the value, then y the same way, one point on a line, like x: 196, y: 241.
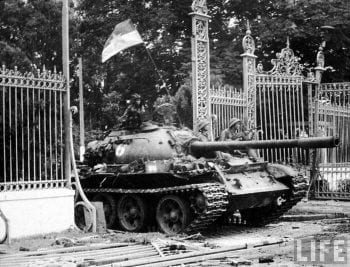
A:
x: 320, y: 60
x: 248, y: 31
x: 200, y: 6
x: 248, y: 41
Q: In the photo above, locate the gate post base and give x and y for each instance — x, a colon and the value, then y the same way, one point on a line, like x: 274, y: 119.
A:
x: 37, y: 212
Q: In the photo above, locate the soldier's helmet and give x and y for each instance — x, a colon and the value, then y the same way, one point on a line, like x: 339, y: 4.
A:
x: 202, y: 124
x: 233, y: 122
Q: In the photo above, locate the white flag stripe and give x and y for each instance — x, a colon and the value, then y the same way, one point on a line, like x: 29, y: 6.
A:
x: 121, y: 42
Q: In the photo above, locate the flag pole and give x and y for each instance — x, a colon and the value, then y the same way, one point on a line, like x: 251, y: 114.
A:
x: 81, y: 111
x: 66, y: 100
x: 155, y: 66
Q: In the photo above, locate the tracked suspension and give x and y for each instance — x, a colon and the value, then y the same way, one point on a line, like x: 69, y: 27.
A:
x: 215, y: 196
x: 216, y: 202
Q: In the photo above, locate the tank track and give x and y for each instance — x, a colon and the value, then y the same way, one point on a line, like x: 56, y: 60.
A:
x: 263, y: 216
x: 216, y: 199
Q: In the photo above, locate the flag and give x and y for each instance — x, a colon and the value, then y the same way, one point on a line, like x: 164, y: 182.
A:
x: 123, y: 36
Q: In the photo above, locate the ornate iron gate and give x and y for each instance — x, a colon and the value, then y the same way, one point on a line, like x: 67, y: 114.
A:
x: 276, y: 101
x: 31, y: 130
x: 280, y: 108
x: 331, y: 114
x: 282, y: 103
x: 226, y: 102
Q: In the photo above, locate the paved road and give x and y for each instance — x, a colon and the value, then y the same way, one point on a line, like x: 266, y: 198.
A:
x: 314, y: 242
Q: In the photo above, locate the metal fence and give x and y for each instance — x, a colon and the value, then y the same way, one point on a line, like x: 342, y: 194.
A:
x: 281, y: 114
x: 286, y: 105
x: 332, y: 111
x: 226, y: 102
x: 31, y: 130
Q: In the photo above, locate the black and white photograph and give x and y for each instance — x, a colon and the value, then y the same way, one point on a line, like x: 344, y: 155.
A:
x: 182, y: 133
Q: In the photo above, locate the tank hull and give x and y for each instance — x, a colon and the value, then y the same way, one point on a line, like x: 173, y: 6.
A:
x: 240, y: 191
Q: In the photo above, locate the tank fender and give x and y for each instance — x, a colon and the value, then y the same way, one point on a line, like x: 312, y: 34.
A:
x: 279, y: 170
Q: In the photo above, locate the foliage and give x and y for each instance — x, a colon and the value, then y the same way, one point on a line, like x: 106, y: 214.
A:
x: 112, y: 109
x: 183, y: 103
x: 132, y: 70
x: 302, y: 21
x: 30, y: 35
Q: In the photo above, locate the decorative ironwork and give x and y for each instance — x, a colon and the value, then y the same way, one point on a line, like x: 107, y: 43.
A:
x: 39, y: 79
x: 286, y: 63
x: 200, y: 6
x: 280, y: 114
x: 310, y: 77
x: 200, y: 62
x: 248, y: 43
x: 251, y: 93
x: 203, y: 80
x: 226, y: 102
x: 330, y: 109
x: 260, y: 68
x: 278, y: 96
x: 320, y: 58
x: 31, y: 129
x: 249, y: 72
x: 336, y: 87
x: 201, y: 29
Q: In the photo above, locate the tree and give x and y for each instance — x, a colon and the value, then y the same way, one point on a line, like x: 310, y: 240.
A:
x: 183, y: 103
x: 30, y: 34
x: 273, y: 21
x: 132, y: 70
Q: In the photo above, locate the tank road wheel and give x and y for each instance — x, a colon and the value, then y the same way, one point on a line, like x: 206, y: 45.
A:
x: 109, y: 208
x: 173, y: 214
x: 131, y: 213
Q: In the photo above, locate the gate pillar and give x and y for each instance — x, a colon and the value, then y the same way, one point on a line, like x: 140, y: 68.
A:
x: 200, y: 62
x: 319, y: 69
x: 249, y: 71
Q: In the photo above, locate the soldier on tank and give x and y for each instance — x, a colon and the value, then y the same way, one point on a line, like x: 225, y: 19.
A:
x: 203, y: 130
x: 235, y: 132
x: 132, y: 117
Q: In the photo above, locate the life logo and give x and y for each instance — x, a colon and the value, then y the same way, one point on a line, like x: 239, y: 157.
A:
x: 120, y: 150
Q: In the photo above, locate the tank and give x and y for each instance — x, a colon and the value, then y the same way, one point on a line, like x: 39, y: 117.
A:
x: 166, y: 177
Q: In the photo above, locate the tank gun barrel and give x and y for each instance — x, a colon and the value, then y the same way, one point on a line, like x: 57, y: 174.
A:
x: 201, y: 148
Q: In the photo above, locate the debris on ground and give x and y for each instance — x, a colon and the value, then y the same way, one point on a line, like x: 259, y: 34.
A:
x: 265, y: 259
x: 65, y: 242
x: 197, y: 236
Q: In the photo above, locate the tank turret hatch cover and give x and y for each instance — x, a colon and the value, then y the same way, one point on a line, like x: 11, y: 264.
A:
x: 148, y: 127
